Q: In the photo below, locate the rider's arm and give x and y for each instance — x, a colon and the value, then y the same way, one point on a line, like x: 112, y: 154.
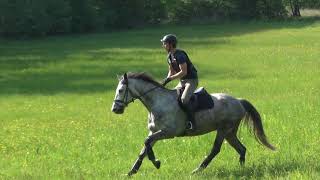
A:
x: 181, y: 73
x: 171, y: 71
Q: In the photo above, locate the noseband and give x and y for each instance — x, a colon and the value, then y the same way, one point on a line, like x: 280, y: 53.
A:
x: 125, y: 101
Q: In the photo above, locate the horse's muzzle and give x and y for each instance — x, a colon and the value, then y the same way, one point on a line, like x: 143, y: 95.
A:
x: 117, y: 109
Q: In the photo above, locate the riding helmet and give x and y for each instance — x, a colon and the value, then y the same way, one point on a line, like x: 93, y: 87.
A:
x: 171, y: 39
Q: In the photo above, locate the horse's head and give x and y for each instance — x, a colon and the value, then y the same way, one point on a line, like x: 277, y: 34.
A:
x: 123, y: 95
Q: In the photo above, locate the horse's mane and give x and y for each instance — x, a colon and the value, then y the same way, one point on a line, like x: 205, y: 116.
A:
x: 145, y: 77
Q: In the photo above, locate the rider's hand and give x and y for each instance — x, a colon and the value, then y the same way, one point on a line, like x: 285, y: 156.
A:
x: 165, y: 81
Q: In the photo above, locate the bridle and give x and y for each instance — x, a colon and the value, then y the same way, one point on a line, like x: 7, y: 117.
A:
x: 125, y: 100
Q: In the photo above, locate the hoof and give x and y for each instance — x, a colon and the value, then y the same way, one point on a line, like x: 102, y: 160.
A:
x: 198, y: 170
x: 242, y: 160
x: 131, y: 173
x: 157, y: 164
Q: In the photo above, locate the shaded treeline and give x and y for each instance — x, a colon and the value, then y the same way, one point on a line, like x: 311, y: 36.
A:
x: 49, y: 17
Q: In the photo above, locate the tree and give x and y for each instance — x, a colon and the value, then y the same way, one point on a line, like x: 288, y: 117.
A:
x: 46, y: 17
x: 295, y: 6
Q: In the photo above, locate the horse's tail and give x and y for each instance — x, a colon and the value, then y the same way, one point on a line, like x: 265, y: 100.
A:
x: 253, y: 121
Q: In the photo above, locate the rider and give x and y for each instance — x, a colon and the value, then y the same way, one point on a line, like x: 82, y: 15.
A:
x: 180, y: 67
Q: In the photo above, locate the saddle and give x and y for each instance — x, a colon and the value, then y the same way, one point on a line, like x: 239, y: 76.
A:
x: 200, y: 100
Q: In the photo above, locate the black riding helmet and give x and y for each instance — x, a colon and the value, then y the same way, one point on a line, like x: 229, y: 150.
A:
x: 171, y: 39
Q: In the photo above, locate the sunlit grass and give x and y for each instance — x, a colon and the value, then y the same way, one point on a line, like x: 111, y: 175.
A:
x: 56, y: 95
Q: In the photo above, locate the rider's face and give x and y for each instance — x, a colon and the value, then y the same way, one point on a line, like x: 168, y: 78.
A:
x: 166, y: 46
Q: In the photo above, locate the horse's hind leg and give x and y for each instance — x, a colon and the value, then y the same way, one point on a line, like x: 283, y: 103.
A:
x: 236, y: 144
x: 215, y: 150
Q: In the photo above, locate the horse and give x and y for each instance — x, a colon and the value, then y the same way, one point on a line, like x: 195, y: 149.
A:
x: 166, y: 119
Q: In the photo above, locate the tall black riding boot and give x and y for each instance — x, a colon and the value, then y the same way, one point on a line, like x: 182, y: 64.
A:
x: 190, y: 113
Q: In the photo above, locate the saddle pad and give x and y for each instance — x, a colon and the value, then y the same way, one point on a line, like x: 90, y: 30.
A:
x: 202, y: 100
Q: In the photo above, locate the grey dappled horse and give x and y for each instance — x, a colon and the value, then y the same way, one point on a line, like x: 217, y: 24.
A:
x: 167, y: 120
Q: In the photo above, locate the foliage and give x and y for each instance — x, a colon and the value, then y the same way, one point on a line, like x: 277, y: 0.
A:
x: 296, y: 5
x: 46, y: 17
x: 313, y: 4
x: 34, y: 17
x: 184, y: 10
x: 270, y: 9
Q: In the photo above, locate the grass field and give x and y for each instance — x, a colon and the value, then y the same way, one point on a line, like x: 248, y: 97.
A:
x: 56, y: 94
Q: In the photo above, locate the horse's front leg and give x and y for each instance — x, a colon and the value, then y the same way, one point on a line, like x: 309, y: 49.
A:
x: 150, y: 140
x: 138, y: 162
x: 147, y: 150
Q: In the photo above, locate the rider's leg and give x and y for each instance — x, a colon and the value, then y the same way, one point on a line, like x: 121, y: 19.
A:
x: 190, y: 87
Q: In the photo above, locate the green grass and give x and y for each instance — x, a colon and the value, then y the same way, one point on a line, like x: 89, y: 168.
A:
x: 56, y: 94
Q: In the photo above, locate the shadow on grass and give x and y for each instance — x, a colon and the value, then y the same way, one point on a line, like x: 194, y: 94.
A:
x: 279, y: 169
x: 89, y: 63
x: 53, y: 82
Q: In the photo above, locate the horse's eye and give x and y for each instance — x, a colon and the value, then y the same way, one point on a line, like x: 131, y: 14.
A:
x: 120, y: 90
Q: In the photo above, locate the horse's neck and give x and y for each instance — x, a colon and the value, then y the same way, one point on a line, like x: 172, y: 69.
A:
x: 154, y: 99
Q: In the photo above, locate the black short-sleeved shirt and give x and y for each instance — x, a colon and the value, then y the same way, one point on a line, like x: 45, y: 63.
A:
x: 181, y: 57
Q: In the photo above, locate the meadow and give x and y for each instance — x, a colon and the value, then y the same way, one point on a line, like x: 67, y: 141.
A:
x: 56, y: 94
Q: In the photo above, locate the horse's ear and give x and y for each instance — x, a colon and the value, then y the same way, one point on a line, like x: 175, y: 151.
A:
x: 125, y: 77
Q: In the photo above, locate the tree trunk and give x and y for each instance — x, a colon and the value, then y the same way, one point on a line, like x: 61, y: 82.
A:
x: 296, y: 11
x: 295, y: 8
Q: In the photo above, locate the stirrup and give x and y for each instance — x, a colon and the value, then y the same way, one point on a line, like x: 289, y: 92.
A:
x: 190, y: 126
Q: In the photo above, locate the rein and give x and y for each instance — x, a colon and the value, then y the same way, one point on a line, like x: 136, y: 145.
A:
x: 127, y: 91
